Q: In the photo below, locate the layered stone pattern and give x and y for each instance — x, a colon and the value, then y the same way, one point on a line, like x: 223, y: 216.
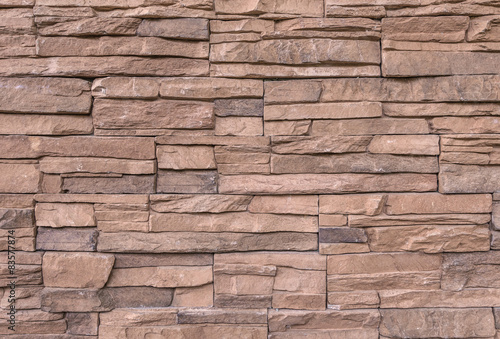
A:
x: 261, y: 169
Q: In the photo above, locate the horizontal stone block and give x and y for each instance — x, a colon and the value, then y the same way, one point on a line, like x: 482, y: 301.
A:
x: 414, y: 299
x: 300, y: 281
x: 16, y: 218
x: 343, y: 248
x: 178, y: 242
x: 319, y: 145
x: 213, y: 140
x: 232, y: 222
x: 418, y: 219
x: 384, y: 281
x: 439, y: 109
x: 186, y: 182
x: 295, y: 127
x: 304, y: 204
x: 209, y: 88
x: 222, y: 316
x: 185, y: 157
x: 183, y: 28
x: 126, y: 88
x: 199, y: 203
x: 19, y: 178
x: 121, y: 184
x: 353, y: 300
x: 323, y: 111
x: 438, y: 203
x: 138, y: 317
x: 93, y: 26
x: 303, y: 261
x: 369, y: 127
x: 66, y: 239
x: 45, y: 95
x: 154, y: 260
x: 239, y: 107
x: 405, y: 144
x: 367, y: 204
x: 439, y: 29
x: 61, y: 165
x: 61, y: 215
x: 325, y: 183
x: 485, y: 28
x: 238, y: 126
x: 468, y: 179
x: 299, y: 301
x: 290, y: 91
x: 305, y: 8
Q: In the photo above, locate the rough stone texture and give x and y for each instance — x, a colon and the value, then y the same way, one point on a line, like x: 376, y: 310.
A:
x: 255, y: 169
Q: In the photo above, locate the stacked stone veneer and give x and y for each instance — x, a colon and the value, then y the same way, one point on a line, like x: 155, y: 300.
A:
x: 251, y: 168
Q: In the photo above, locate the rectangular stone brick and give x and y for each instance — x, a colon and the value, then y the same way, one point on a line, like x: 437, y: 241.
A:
x: 239, y: 126
x: 93, y: 26
x: 468, y: 179
x: 96, y: 165
x: 120, y: 184
x: 291, y: 204
x: 301, y: 7
x: 19, y: 178
x: 438, y: 203
x: 319, y: 145
x: 405, y: 144
x: 16, y: 218
x: 369, y: 126
x: 441, y: 29
x: 179, y: 28
x: 209, y: 88
x: 323, y: 111
x: 414, y: 299
x: 45, y: 124
x: 290, y: 91
x: 185, y: 157
x: 186, y: 182
x: 66, y: 239
x: 61, y: 215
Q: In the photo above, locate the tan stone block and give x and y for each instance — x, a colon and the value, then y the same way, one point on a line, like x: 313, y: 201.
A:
x: 45, y: 95
x: 300, y: 281
x: 76, y: 270
x: 94, y: 198
x: 200, y: 296
x: 83, y: 323
x: 405, y: 144
x: 414, y: 299
x: 468, y: 179
x: 325, y: 183
x: 344, y: 24
x: 297, y: 52
x: 251, y: 155
x: 27, y: 297
x: 439, y: 109
x: 186, y: 181
x: 495, y: 217
x: 199, y: 203
x: 162, y: 276
x: 95, y: 165
x: 353, y: 163
x: 93, y: 67
x: 93, y: 26
x: 439, y: 323
x: 359, y: 11
x: 240, y: 70
x: 353, y: 300
x: 60, y: 215
x: 105, y: 46
x: 484, y: 28
x: 369, y: 333
x: 213, y: 140
x: 19, y: 178
x: 228, y: 169
x: 244, y: 25
x: 153, y: 260
x: 16, y: 200
x: 185, y: 157
x: 36, y: 328
x: 367, y: 204
x: 116, y: 114
x: 17, y: 21
x: 299, y: 301
x: 440, y: 29
x: 289, y: 91
x: 109, y: 184
x: 232, y: 222
x: 429, y: 203
x: 139, y: 317
x: 222, y: 316
x: 369, y: 127
x: 125, y: 88
x: 323, y: 111
x: 429, y: 239
x: 199, y: 242
x: 305, y: 8
x: 297, y: 127
x: 183, y: 28
x: 301, y: 261
x: 291, y: 320
x: 110, y: 147
x: 239, y: 126
x: 289, y: 204
x: 51, y: 183
x: 243, y: 284
x: 343, y: 248
x: 332, y: 220
x: 25, y: 274
x: 465, y: 125
x: 319, y: 145
x: 209, y: 88
x: 420, y: 219
x: 241, y: 269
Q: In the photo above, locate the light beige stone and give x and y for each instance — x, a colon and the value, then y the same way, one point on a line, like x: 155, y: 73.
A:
x: 440, y: 29
x: 185, y: 157
x: 418, y: 219
x: 439, y: 109
x: 319, y: 145
x: 93, y: 26
x: 353, y: 300
x: 468, y: 179
x: 300, y: 281
x: 310, y: 260
x: 299, y: 301
x: 297, y: 127
x: 76, y: 270
x: 243, y: 284
x: 367, y: 204
x: 125, y: 88
x: 384, y: 281
x: 19, y: 178
x: 289, y: 91
x: 405, y: 144
x: 290, y: 204
x: 343, y: 248
x: 484, y: 28
x: 200, y: 296
x: 414, y: 299
x: 242, y: 26
x: 429, y: 203
x: 369, y: 127
x: 305, y: 8
x: 199, y: 203
x: 179, y: 28
x: 210, y: 88
x: 95, y: 165
x: 46, y: 124
x: 60, y: 215
x: 239, y: 126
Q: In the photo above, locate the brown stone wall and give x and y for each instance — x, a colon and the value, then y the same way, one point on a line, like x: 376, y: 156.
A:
x: 254, y: 169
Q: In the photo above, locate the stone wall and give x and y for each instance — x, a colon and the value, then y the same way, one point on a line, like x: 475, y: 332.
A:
x: 219, y: 169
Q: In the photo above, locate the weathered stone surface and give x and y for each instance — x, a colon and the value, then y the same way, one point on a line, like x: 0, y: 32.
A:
x: 470, y: 270
x: 154, y: 260
x: 125, y: 88
x: 137, y: 317
x: 296, y: 52
x: 468, y: 179
x: 384, y: 281
x: 300, y: 281
x: 95, y: 165
x: 93, y: 26
x: 201, y: 296
x: 44, y: 95
x: 439, y: 109
x: 109, y: 147
x: 110, y: 113
x: 465, y: 125
x: 440, y: 29
x: 292, y: 91
x: 305, y: 8
x: 16, y: 218
x: 430, y: 203
x: 438, y: 323
x: 241, y: 26
x: 414, y: 299
x: 94, y: 198
x: 405, y: 144
x: 429, y: 239
x: 162, y: 276
x: 242, y: 301
x: 299, y: 301
x: 244, y: 284
x: 178, y: 242
x: 341, y: 235
x: 185, y: 28
x: 104, y: 46
x: 61, y: 215
x: 485, y: 28
x: 325, y: 183
x: 239, y: 126
x: 93, y: 67
x: 332, y: 10
x: 288, y: 320
x: 213, y: 140
x: 232, y: 222
x: 209, y: 88
x: 76, y: 270
x: 66, y: 239
x: 83, y: 323
x: 297, y: 127
x: 304, y: 204
x: 421, y: 219
x: 225, y: 316
x: 19, y: 178
x: 323, y: 111
x: 352, y: 163
x: 369, y: 126
x: 318, y: 145
x: 186, y: 182
x: 112, y: 184
x: 25, y: 274
x: 239, y: 107
x: 198, y: 203
x: 449, y: 89
x: 310, y: 260
x: 185, y: 157
x: 45, y: 124
x: 352, y: 204
x: 353, y: 300
x: 343, y: 248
